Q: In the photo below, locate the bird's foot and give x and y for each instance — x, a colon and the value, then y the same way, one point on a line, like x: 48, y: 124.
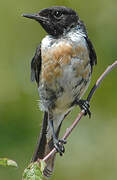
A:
x: 59, y: 145
x: 84, y: 105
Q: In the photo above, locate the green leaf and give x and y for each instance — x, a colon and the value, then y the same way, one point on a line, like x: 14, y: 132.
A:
x: 7, y: 162
x: 34, y: 171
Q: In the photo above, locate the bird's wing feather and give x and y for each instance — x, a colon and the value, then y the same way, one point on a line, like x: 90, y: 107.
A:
x: 36, y: 65
x: 92, y: 53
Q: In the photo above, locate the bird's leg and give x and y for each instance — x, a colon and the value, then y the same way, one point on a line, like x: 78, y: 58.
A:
x: 84, y: 105
x: 58, y: 144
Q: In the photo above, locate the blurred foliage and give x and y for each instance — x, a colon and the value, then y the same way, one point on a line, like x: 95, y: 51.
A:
x: 34, y: 171
x: 7, y: 162
x: 91, y: 152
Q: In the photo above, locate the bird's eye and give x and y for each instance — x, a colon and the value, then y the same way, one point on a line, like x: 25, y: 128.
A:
x: 57, y: 14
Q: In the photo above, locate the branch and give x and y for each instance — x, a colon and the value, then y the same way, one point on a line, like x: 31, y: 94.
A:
x: 80, y: 115
x: 97, y: 84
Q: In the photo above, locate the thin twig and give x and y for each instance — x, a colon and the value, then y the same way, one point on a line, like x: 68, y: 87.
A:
x: 97, y: 84
x: 80, y: 115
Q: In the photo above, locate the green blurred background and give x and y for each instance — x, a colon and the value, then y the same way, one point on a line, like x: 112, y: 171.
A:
x: 91, y: 151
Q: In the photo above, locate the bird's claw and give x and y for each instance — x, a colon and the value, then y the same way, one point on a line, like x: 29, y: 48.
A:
x: 59, y: 146
x: 84, y: 105
x: 63, y: 141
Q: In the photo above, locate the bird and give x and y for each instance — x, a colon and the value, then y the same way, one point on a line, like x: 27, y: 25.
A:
x: 62, y: 68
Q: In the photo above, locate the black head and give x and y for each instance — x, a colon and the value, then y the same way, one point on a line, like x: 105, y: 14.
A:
x: 56, y: 20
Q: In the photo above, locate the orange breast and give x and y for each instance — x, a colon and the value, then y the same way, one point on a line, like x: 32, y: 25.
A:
x: 55, y: 58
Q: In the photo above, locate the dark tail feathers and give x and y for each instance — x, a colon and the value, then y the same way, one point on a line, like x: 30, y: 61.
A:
x: 44, y: 147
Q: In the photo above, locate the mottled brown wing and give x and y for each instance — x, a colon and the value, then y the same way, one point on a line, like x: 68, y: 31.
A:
x: 36, y: 65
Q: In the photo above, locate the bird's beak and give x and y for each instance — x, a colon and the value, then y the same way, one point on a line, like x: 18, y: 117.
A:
x: 36, y: 17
